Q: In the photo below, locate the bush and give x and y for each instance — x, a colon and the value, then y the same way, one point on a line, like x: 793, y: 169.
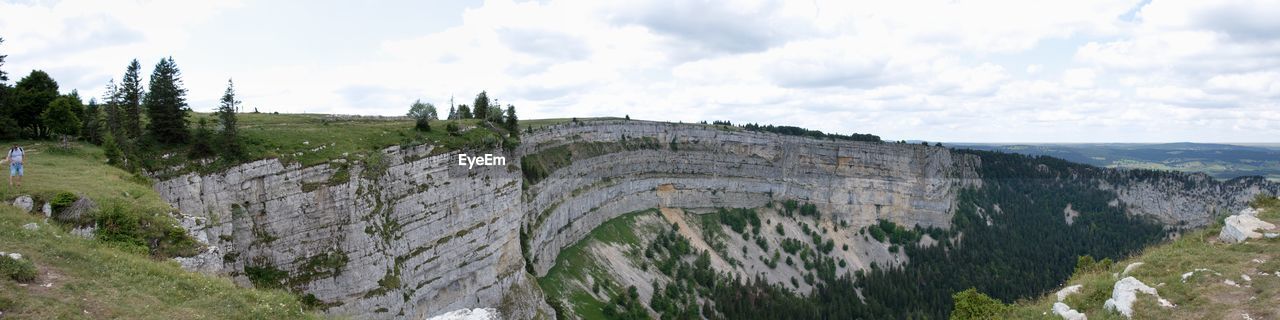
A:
x: 971, y: 304
x: 20, y: 270
x: 62, y: 200
x: 133, y: 231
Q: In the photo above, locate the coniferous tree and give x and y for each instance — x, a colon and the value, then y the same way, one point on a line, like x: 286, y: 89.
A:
x: 90, y: 123
x: 8, y: 127
x: 512, y: 122
x: 131, y: 94
x: 229, y: 140
x: 201, y: 146
x: 453, y: 113
x: 166, y: 104
x: 481, y: 106
x: 4, y: 77
x: 464, y: 112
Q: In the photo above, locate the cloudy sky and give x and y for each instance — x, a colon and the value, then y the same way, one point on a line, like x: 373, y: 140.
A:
x: 974, y: 71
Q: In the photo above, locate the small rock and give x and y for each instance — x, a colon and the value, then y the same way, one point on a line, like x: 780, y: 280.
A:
x: 1246, y: 278
x: 1230, y: 282
x: 31, y: 226
x: 1125, y: 293
x: 1062, y: 294
x: 15, y: 256
x: 24, y: 202
x: 1130, y: 267
x: 1066, y: 312
x: 47, y: 209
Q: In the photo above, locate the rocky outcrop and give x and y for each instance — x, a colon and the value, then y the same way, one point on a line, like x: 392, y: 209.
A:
x: 1124, y: 294
x: 1186, y: 201
x: 700, y: 166
x: 407, y: 232
x: 403, y: 233
x: 1240, y: 227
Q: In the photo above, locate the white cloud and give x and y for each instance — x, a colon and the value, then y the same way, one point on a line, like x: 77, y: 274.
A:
x: 919, y: 69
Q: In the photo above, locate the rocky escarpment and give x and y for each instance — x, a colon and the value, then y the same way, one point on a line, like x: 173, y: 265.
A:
x: 405, y: 233
x: 698, y: 166
x: 1185, y: 200
x: 410, y: 233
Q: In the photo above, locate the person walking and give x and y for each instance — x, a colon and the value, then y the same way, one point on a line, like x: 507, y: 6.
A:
x: 16, y: 158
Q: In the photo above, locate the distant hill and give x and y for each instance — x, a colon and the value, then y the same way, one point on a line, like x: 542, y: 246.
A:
x: 1222, y: 161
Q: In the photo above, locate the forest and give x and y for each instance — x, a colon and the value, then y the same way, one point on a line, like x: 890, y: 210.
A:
x: 1027, y: 249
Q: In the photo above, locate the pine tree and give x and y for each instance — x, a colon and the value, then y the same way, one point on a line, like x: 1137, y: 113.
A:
x: 229, y: 140
x: 200, y: 142
x: 131, y: 94
x: 4, y: 77
x: 166, y: 104
x: 481, y: 106
x: 512, y: 122
x: 453, y: 113
x: 464, y: 112
x: 92, y: 115
x: 111, y: 150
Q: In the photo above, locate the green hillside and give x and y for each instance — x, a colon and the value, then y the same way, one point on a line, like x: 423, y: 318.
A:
x: 1203, y: 294
x: 124, y: 272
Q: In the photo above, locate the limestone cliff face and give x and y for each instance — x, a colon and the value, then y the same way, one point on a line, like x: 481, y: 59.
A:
x: 409, y: 233
x: 412, y: 236
x: 1187, y: 200
x: 700, y: 166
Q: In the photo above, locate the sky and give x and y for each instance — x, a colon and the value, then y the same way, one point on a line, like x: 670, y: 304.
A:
x: 956, y: 71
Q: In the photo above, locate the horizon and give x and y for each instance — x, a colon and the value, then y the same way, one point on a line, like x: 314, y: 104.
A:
x: 1157, y: 71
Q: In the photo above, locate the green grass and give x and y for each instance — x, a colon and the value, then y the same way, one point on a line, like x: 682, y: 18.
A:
x: 124, y: 197
x: 541, y: 123
x: 96, y: 280
x: 1204, y: 295
x: 574, y: 264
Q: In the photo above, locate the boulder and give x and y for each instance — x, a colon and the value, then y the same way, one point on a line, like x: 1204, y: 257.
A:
x: 47, y: 210
x: 1243, y: 226
x: 1066, y: 312
x: 1062, y: 294
x: 25, y: 203
x: 78, y: 210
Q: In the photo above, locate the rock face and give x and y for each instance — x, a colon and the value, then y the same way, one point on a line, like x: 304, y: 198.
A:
x: 1240, y: 227
x: 411, y: 236
x: 1188, y: 200
x: 706, y: 167
x: 410, y: 233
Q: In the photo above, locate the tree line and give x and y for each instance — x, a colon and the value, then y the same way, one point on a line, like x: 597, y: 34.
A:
x: 133, y: 122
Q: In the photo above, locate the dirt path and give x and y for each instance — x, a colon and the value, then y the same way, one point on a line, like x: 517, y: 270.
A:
x: 676, y: 216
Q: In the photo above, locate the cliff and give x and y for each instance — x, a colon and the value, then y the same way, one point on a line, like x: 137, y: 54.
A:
x: 410, y: 233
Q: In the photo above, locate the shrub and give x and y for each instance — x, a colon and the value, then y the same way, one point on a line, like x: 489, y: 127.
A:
x: 62, y: 200
x: 20, y: 270
x: 971, y: 304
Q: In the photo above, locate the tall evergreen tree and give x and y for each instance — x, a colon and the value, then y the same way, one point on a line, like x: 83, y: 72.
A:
x: 481, y: 106
x: 111, y: 109
x: 32, y: 96
x: 166, y: 104
x: 90, y: 122
x: 512, y: 123
x: 453, y: 113
x: 4, y: 77
x: 229, y: 140
x: 131, y: 94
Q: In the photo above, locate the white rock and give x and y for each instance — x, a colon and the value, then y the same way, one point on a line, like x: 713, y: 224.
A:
x: 1125, y: 293
x: 1131, y: 266
x: 1062, y: 294
x: 47, y: 209
x: 25, y: 203
x: 1246, y: 278
x: 31, y: 226
x: 15, y: 256
x: 1066, y: 312
x: 469, y: 314
x: 1192, y: 272
x: 1239, y: 227
x: 1230, y: 282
